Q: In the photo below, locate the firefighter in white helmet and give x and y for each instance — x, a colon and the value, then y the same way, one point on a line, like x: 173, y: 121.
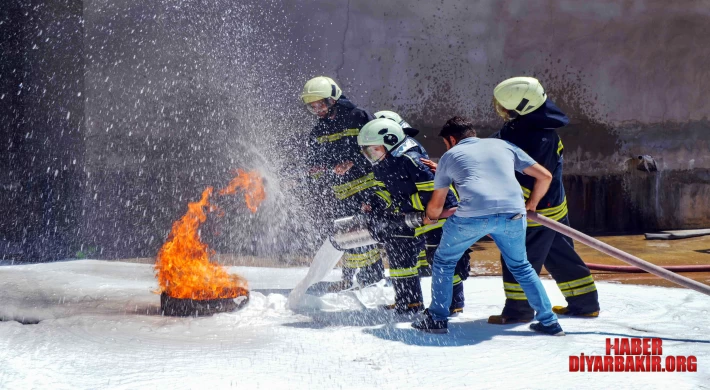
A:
x: 532, y: 120
x: 426, y: 255
x: 341, y: 178
x: 396, y: 163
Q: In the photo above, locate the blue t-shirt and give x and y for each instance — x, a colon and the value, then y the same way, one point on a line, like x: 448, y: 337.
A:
x: 483, y: 171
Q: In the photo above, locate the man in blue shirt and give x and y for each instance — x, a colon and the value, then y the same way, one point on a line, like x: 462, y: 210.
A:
x: 491, y: 202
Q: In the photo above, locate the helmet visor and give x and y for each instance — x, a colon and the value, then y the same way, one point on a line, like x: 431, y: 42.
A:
x: 374, y: 153
x: 319, y: 107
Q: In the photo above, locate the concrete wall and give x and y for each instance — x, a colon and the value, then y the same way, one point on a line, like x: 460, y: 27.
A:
x: 630, y: 75
x: 133, y: 107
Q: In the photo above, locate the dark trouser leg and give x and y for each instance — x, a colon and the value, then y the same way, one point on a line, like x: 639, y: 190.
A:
x: 403, y: 255
x: 372, y: 273
x: 463, y: 267
x: 366, y: 259
x: 424, y: 264
x: 571, y: 274
x: 538, y: 241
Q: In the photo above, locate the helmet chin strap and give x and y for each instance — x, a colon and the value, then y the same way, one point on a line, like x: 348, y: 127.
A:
x: 332, y: 109
x: 379, y: 160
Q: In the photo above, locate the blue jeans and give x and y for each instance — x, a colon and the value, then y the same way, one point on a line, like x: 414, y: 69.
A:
x: 509, y: 235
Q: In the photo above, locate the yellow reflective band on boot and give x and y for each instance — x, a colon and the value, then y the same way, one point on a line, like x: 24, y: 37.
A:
x: 516, y: 296
x: 514, y: 291
x: 337, y: 136
x: 360, y: 260
x: 351, y: 188
x: 576, y: 282
x: 512, y: 286
x: 457, y: 280
x: 579, y: 291
x: 422, y: 261
x: 399, y: 273
x: 578, y: 287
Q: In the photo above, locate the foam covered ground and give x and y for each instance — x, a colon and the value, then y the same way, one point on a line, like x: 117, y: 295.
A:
x: 95, y: 324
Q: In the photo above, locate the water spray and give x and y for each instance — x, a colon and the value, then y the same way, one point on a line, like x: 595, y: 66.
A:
x: 356, y: 231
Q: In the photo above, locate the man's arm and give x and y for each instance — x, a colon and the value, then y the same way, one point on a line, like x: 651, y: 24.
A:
x: 435, y: 206
x: 431, y: 164
x: 543, y: 178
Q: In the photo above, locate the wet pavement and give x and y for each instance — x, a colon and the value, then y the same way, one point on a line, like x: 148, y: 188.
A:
x: 689, y: 251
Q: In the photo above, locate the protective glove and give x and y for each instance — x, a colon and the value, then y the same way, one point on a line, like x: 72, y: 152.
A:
x: 383, y: 226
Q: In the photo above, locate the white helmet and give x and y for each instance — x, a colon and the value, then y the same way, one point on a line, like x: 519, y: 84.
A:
x: 381, y: 131
x: 320, y: 87
x: 392, y: 116
x: 520, y: 94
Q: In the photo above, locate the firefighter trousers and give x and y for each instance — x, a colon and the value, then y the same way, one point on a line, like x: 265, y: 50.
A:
x: 556, y: 252
x: 403, y: 254
x: 364, y: 264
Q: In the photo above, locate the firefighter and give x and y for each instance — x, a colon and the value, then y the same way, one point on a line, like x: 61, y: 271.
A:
x: 396, y: 162
x: 341, y: 179
x: 426, y: 255
x: 531, y: 123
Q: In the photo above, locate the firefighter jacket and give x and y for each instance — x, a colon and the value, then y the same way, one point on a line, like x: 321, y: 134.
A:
x: 409, y: 182
x: 535, y: 133
x: 334, y: 141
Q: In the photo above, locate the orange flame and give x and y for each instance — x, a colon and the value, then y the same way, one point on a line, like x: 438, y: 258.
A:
x: 253, y: 186
x: 183, y: 266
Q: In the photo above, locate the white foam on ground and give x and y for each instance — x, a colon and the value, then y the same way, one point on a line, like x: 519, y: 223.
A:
x: 323, y: 262
x: 99, y: 329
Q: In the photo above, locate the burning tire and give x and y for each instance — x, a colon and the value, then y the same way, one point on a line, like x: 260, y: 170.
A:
x: 181, y: 307
x: 190, y: 284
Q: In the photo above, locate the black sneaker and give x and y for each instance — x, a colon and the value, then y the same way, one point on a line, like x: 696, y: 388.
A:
x: 504, y: 320
x: 553, y: 329
x: 430, y: 325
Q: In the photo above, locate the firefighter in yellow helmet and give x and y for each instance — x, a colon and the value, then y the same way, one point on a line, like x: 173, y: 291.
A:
x: 341, y: 178
x: 532, y: 120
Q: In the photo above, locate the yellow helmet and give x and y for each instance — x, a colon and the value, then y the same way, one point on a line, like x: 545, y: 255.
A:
x: 520, y: 94
x: 320, y: 87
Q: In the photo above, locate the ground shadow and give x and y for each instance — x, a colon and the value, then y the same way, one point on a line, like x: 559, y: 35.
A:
x: 366, y: 317
x: 460, y: 334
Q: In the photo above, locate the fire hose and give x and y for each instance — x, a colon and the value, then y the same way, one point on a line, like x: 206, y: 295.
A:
x: 353, y: 232
x: 618, y: 254
x: 634, y: 270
